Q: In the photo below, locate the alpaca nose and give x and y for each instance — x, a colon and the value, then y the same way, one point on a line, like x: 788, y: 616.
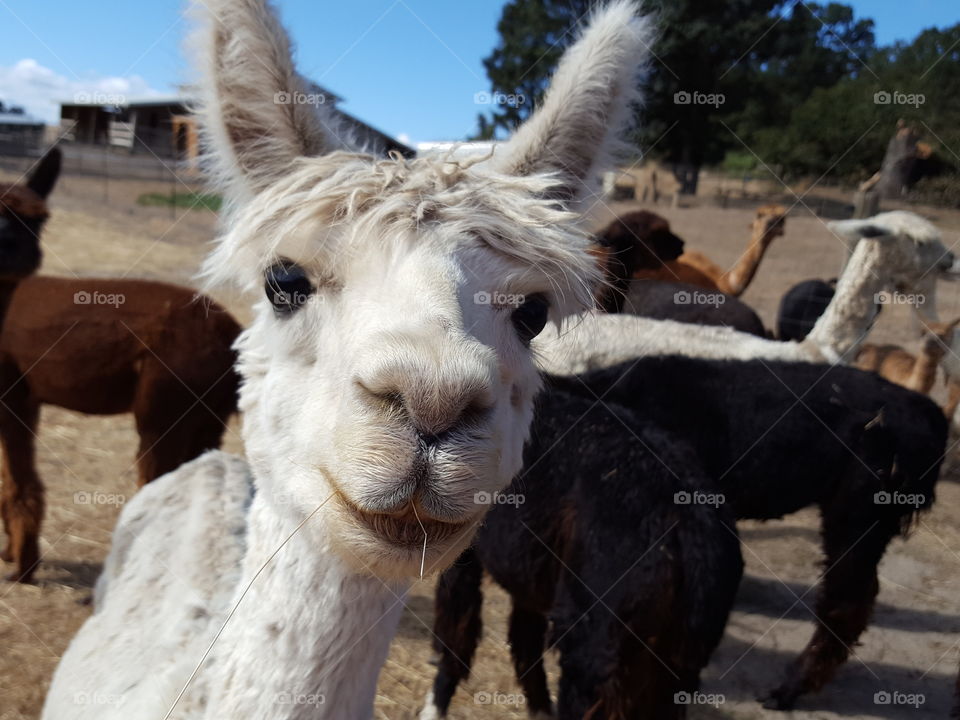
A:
x: 436, y: 390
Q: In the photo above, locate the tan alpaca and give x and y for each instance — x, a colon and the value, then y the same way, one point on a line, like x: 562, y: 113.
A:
x: 766, y: 226
x: 913, y: 372
x: 696, y: 268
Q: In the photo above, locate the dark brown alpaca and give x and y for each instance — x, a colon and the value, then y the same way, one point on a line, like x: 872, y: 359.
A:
x: 104, y: 347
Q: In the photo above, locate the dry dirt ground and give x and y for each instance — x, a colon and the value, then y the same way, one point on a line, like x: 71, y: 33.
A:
x: 911, y: 647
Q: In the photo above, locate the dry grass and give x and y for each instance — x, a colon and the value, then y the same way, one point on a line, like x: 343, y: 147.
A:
x: 100, y: 230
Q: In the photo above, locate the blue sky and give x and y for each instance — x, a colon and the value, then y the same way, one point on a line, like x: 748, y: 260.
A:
x: 409, y: 67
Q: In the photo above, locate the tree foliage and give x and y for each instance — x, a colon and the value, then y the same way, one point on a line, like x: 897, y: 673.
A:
x: 796, y: 86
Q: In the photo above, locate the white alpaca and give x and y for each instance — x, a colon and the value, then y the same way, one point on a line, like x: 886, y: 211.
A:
x: 897, y: 251
x: 388, y: 388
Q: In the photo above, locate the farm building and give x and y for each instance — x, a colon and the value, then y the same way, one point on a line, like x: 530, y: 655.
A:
x: 20, y: 133
x: 164, y: 127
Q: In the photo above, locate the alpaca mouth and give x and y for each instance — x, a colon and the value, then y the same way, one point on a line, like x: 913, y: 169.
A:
x: 406, y: 528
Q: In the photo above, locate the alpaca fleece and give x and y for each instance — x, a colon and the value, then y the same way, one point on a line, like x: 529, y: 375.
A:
x: 776, y: 437
x: 160, y: 352
x: 633, y: 588
x: 894, y: 251
x: 687, y: 303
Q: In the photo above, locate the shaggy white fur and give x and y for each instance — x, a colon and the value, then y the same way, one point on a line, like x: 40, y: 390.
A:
x: 385, y: 401
x: 897, y: 251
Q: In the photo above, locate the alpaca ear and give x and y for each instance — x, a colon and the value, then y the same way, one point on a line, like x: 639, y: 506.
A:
x: 45, y: 174
x: 856, y: 229
x: 253, y: 114
x: 578, y: 129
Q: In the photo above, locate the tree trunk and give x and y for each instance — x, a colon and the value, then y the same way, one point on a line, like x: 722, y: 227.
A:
x: 688, y: 175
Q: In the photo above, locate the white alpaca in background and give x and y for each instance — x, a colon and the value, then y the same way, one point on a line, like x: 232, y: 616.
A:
x: 897, y: 251
x: 380, y: 399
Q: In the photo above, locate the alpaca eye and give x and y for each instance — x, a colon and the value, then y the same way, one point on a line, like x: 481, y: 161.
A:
x: 530, y: 317
x: 287, y: 287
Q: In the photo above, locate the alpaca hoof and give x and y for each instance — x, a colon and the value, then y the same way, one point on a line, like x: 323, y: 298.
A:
x: 779, y: 699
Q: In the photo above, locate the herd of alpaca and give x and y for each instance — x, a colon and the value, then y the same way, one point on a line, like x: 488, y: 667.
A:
x: 378, y: 443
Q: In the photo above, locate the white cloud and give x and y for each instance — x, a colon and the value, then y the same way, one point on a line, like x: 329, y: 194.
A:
x: 403, y: 138
x: 40, y: 89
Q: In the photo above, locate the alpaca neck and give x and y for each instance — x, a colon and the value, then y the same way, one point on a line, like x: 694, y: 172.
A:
x: 924, y: 372
x: 736, y: 280
x: 311, y: 635
x: 851, y: 312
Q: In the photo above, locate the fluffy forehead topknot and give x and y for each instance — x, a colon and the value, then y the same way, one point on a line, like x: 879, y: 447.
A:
x: 360, y: 199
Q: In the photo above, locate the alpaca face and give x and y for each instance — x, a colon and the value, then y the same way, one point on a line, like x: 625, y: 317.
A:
x: 23, y: 211
x: 912, y: 251
x: 388, y: 375
x: 404, y: 393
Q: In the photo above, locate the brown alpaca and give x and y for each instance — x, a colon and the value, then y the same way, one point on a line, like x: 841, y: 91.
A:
x: 697, y: 269
x: 917, y: 373
x: 106, y: 347
x: 99, y: 347
x: 632, y: 243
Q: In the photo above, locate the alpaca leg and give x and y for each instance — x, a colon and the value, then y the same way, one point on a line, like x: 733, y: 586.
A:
x: 528, y: 630
x: 587, y: 671
x: 174, y: 426
x: 456, y: 628
x: 22, y: 495
x: 854, y: 547
x: 164, y: 448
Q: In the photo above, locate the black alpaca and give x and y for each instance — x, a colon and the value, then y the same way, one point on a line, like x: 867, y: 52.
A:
x: 688, y: 303
x: 635, y: 586
x: 779, y: 436
x: 643, y: 241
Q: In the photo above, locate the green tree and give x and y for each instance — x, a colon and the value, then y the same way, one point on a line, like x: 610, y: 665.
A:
x: 533, y: 36
x: 722, y: 69
x: 844, y: 129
